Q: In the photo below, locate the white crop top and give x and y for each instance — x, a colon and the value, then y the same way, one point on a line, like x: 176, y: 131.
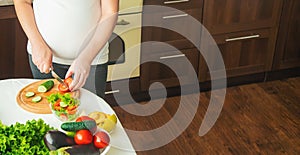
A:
x: 67, y: 26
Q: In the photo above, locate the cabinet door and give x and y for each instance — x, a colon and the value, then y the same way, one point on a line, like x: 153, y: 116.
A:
x: 178, y: 20
x: 13, y: 54
x: 157, y: 71
x: 22, y: 67
x: 223, y: 16
x: 7, y: 48
x: 243, y: 53
x: 288, y: 48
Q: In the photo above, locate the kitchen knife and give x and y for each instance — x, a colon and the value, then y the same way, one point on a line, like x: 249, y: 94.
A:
x: 58, y: 78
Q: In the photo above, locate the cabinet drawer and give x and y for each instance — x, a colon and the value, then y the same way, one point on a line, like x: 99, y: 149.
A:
x: 177, y: 20
x: 185, y: 62
x: 121, y: 91
x: 177, y: 4
x: 224, y: 16
x: 243, y: 53
x: 121, y: 86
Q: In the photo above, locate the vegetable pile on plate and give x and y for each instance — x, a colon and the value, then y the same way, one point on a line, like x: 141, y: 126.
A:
x: 80, y: 137
x: 64, y: 106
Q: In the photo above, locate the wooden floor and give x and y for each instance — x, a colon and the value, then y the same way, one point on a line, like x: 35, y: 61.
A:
x: 261, y: 118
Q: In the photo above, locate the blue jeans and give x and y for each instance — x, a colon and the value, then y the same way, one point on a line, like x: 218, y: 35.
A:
x: 96, y: 81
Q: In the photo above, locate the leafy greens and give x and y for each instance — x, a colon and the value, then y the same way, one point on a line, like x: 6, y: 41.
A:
x: 24, y: 138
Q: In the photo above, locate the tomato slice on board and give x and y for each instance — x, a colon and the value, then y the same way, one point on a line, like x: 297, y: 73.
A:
x: 83, y: 137
x: 62, y: 88
x: 68, y: 81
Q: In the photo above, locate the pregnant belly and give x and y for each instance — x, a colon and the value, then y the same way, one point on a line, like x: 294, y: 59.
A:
x: 66, y: 29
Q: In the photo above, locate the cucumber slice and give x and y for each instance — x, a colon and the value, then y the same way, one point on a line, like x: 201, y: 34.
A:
x: 42, y: 89
x: 46, y: 86
x: 29, y: 94
x: 36, y: 99
x: 63, y: 104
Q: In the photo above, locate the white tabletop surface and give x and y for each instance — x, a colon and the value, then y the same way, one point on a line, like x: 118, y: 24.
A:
x: 11, y: 112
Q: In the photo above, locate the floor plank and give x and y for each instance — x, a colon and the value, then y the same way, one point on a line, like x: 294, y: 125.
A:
x: 261, y: 118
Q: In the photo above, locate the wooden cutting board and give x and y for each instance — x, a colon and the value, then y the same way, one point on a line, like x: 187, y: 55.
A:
x: 41, y: 107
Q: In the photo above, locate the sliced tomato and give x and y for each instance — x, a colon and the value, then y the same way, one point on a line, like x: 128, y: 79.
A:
x: 68, y: 81
x: 57, y: 108
x: 71, y: 112
x: 83, y: 137
x: 62, y: 88
x: 71, y: 107
x: 57, y: 103
x: 101, y: 139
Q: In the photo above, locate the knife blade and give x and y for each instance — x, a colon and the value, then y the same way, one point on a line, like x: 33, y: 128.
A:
x: 58, y: 78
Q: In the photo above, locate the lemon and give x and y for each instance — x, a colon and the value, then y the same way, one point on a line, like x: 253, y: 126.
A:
x: 108, y: 125
x: 113, y: 118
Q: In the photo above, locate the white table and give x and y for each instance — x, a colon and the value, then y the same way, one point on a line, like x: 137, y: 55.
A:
x: 11, y: 112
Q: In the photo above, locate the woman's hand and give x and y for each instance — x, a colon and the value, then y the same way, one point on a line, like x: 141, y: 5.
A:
x: 80, y: 70
x: 82, y: 65
x: 42, y: 57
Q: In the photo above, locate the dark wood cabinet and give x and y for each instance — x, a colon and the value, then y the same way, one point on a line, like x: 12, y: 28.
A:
x: 222, y: 16
x: 13, y: 54
x: 167, y: 23
x: 243, y: 53
x: 6, y: 51
x: 167, y: 26
x: 287, y: 53
x: 245, y: 32
x: 171, y: 68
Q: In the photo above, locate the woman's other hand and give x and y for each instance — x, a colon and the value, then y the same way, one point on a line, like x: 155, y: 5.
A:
x: 82, y: 65
x: 80, y: 70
